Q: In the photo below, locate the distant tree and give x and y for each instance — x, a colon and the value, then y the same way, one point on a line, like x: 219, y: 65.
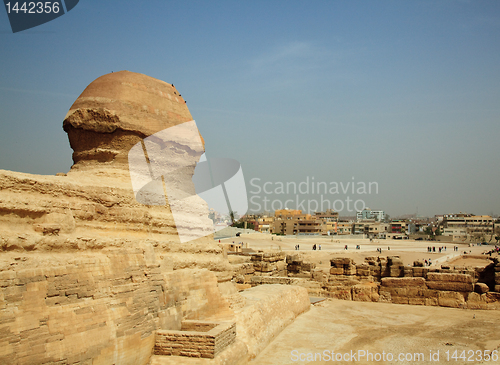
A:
x: 432, y: 231
x: 241, y: 224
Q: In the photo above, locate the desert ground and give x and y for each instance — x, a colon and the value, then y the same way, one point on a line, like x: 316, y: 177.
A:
x: 334, y: 246
x: 377, y: 328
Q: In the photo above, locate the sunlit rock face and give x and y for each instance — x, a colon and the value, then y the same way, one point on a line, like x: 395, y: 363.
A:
x: 115, y: 112
x: 95, y: 205
x: 88, y: 272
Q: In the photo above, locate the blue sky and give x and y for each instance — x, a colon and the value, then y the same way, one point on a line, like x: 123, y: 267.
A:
x: 402, y: 93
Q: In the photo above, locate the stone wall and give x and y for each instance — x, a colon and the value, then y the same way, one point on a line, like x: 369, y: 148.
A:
x: 88, y: 274
x: 99, y: 308
x: 196, y: 339
x: 386, y: 279
x: 269, y: 264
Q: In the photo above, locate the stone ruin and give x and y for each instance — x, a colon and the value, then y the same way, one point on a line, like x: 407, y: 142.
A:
x: 378, y: 279
x: 88, y: 275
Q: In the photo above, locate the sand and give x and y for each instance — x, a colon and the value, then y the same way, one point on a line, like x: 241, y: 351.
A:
x: 408, y: 250
x: 378, y: 328
x: 345, y: 326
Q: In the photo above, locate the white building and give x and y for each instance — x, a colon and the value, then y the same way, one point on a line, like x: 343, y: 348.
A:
x: 367, y: 213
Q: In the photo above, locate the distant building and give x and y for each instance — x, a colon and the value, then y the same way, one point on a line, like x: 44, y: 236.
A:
x: 398, y: 226
x: 344, y: 227
x: 371, y: 228
x: 294, y: 222
x: 287, y: 213
x: 467, y: 224
x: 367, y: 213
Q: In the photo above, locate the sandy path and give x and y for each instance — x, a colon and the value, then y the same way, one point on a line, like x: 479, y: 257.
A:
x: 342, y: 326
x: 408, y: 250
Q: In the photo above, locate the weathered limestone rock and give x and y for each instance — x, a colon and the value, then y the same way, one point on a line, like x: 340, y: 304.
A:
x: 453, y: 282
x: 270, y: 263
x: 365, y: 292
x: 342, y: 266
x: 115, y: 112
x: 94, y: 206
x: 451, y: 299
x: 268, y: 309
x: 98, y: 307
x: 481, y: 288
x: 87, y: 273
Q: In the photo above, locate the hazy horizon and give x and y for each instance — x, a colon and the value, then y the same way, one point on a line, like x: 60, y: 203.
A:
x: 401, y: 94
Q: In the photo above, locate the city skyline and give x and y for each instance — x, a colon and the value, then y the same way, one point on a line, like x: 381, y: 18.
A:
x: 404, y: 95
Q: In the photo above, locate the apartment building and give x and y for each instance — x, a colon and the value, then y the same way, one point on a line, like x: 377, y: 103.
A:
x: 467, y: 224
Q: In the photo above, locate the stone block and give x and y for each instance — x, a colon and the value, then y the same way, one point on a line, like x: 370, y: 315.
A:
x: 308, y: 266
x: 318, y: 275
x: 400, y: 300
x: 491, y: 297
x: 396, y: 271
x: 394, y: 261
x: 336, y: 271
x: 433, y: 301
x: 450, y: 286
x: 363, y: 270
x: 430, y: 293
x: 451, y: 299
x: 403, y: 282
x: 350, y: 269
x: 408, y: 272
x: 365, y: 292
x: 481, y: 288
x: 445, y: 277
x: 263, y: 266
x: 420, y: 272
x: 384, y: 296
x: 341, y: 261
x: 416, y: 301
x: 375, y: 270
